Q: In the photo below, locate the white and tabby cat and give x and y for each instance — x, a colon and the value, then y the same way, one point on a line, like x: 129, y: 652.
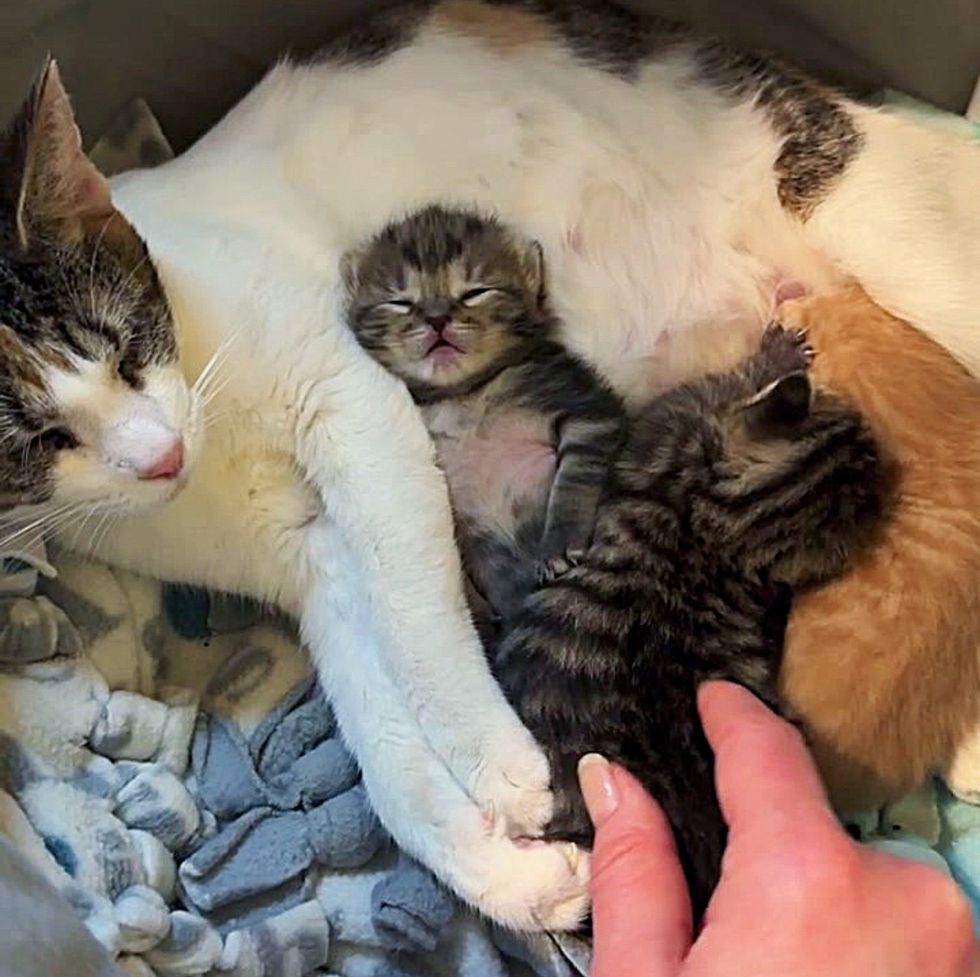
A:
x: 668, y: 181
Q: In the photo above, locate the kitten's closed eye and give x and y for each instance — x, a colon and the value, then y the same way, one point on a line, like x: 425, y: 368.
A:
x: 476, y: 296
x: 398, y: 306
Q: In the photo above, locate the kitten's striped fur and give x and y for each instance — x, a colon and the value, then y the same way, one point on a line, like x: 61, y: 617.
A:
x: 512, y: 391
x: 730, y: 493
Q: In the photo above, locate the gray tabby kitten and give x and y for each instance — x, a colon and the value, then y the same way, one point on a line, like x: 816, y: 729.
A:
x: 731, y: 492
x: 454, y: 304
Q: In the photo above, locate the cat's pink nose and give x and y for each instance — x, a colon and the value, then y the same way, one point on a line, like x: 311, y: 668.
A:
x: 168, y: 465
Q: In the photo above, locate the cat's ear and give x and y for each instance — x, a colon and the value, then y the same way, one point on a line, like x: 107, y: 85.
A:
x: 779, y: 407
x: 532, y: 264
x: 48, y: 186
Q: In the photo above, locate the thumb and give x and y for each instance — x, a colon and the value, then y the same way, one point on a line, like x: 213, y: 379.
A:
x: 641, y: 908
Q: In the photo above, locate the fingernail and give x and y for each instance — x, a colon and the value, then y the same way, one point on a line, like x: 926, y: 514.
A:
x: 598, y: 787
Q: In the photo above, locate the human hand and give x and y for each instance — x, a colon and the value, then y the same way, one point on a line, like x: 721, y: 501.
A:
x: 797, y: 897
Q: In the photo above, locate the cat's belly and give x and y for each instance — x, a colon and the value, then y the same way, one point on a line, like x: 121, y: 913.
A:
x: 499, y: 470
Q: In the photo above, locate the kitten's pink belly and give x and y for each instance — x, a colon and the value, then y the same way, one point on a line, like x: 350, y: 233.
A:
x: 507, y: 468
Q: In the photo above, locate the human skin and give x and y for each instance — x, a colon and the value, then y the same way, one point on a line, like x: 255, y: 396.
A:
x: 798, y: 897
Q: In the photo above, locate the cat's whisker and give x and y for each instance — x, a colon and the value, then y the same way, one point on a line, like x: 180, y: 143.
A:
x: 43, y: 521
x: 214, y: 389
x: 211, y: 419
x: 102, y: 530
x: 120, y: 288
x: 217, y: 361
x: 31, y: 512
x: 83, y: 522
x: 211, y: 367
x: 215, y: 392
x: 92, y: 546
x: 91, y: 270
x: 58, y: 525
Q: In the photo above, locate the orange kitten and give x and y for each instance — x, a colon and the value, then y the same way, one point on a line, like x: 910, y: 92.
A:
x: 883, y: 663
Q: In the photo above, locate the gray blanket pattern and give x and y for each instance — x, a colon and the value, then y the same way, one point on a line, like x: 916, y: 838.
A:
x: 168, y: 762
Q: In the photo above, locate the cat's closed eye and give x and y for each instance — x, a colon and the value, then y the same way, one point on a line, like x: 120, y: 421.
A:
x: 475, y: 296
x: 57, y: 438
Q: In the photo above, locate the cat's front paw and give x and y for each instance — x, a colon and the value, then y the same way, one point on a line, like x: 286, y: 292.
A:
x: 785, y: 350
x: 513, y: 785
x: 529, y: 885
x: 554, y: 567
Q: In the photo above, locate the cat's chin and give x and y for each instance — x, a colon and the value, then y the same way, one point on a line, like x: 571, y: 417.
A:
x: 146, y: 496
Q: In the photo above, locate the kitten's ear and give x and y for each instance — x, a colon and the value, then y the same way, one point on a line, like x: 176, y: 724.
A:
x: 48, y: 186
x: 532, y: 262
x: 779, y: 407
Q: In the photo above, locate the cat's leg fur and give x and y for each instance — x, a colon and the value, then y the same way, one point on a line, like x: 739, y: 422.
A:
x: 904, y: 220
x: 363, y: 444
x: 263, y: 503
x: 525, y: 886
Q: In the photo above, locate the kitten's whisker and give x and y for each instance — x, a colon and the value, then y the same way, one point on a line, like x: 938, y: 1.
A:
x: 10, y: 435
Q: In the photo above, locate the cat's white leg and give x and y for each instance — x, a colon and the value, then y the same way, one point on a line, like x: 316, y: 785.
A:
x: 904, y: 220
x: 363, y: 444
x: 523, y: 886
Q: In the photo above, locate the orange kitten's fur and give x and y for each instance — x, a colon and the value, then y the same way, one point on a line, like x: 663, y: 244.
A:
x: 883, y: 664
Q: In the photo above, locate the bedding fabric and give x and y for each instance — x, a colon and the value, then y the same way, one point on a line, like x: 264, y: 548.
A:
x: 172, y: 778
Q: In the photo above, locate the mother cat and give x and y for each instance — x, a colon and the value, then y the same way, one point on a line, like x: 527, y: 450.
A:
x: 669, y: 181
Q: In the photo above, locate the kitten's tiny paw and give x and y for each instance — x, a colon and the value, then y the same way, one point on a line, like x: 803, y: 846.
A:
x: 786, y: 349
x: 557, y: 566
x: 513, y: 788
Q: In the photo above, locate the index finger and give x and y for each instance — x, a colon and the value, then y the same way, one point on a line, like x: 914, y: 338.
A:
x: 764, y: 774
x: 640, y: 905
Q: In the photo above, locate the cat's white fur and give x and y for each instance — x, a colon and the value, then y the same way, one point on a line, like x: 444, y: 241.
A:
x: 123, y: 433
x: 656, y: 206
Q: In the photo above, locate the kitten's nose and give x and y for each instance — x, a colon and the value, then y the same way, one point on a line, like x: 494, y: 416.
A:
x: 438, y: 322
x: 167, y: 465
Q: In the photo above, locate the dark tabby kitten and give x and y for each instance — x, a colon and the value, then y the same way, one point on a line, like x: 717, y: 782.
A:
x: 454, y: 304
x: 730, y: 492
